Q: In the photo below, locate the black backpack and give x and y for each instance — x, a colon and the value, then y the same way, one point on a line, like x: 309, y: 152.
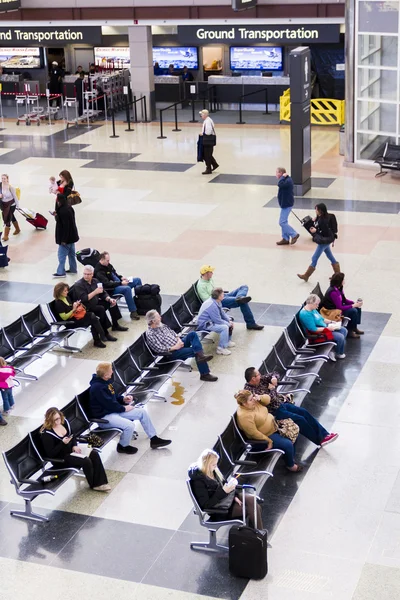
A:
x: 88, y: 256
x: 333, y: 225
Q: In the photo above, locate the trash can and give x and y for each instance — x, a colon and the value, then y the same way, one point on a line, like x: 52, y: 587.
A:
x: 342, y: 140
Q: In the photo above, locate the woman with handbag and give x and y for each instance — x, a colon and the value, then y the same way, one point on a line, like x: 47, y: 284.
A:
x: 335, y: 302
x: 217, y: 497
x: 261, y: 429
x: 76, y: 314
x: 319, y: 329
x: 59, y: 443
x: 209, y: 141
x: 9, y: 203
x: 323, y: 236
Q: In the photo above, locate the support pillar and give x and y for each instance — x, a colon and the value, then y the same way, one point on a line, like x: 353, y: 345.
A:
x: 142, y: 74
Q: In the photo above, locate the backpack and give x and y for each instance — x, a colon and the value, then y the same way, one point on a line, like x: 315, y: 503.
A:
x: 88, y: 256
x: 333, y: 225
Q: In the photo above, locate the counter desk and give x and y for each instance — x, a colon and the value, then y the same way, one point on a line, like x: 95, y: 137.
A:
x: 168, y: 88
x: 229, y: 89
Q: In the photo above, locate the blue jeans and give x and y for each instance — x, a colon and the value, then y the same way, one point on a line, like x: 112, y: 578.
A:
x: 309, y: 427
x: 8, y: 398
x: 68, y: 250
x: 126, y: 291
x: 354, y: 315
x: 320, y: 249
x: 339, y: 337
x: 192, y: 346
x: 223, y: 331
x: 287, y: 230
x: 279, y: 443
x: 230, y: 302
x: 124, y: 421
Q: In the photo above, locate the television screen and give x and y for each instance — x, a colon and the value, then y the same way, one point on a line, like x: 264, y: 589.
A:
x: 259, y: 58
x: 21, y: 58
x: 179, y: 56
x: 119, y: 56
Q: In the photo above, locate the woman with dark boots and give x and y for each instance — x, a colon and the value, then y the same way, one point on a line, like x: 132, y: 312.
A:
x: 323, y: 236
x: 9, y: 204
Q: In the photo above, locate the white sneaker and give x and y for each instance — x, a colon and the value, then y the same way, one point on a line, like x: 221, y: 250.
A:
x: 340, y: 356
x: 231, y: 344
x: 223, y: 351
x: 332, y: 356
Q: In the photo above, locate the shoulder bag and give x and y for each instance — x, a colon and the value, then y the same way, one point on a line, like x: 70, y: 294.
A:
x: 318, y: 337
x: 210, y: 140
x: 80, y: 312
x: 74, y: 198
x: 289, y: 429
x: 335, y: 314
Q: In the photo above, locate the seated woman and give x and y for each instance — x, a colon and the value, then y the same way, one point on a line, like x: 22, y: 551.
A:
x: 213, y: 318
x: 335, y: 299
x: 314, y: 322
x: 59, y: 443
x: 259, y: 426
x: 72, y: 311
x: 212, y: 492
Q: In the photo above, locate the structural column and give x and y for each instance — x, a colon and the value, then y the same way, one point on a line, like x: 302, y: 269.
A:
x: 142, y: 73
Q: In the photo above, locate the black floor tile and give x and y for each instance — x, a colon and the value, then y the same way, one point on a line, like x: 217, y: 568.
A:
x: 167, y: 301
x: 320, y: 182
x: 36, y: 542
x: 113, y: 549
x: 257, y: 308
x: 369, y: 206
x: 273, y: 509
x: 278, y: 315
x: 180, y: 568
x: 17, y: 291
x: 157, y: 166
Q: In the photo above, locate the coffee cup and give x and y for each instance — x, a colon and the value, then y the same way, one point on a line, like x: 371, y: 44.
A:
x: 100, y: 285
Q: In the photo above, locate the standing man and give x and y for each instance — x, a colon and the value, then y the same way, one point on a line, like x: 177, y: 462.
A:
x: 55, y: 83
x: 286, y: 202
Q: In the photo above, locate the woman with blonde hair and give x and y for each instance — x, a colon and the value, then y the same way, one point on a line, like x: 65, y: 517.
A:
x: 260, y: 427
x: 58, y: 442
x: 9, y: 203
x: 213, y: 492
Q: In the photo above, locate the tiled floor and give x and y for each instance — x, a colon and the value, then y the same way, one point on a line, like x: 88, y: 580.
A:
x: 334, y: 527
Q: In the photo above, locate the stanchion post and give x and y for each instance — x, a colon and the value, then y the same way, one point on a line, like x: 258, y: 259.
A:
x: 240, y: 122
x: 266, y: 102
x: 113, y: 120
x: 145, y: 108
x: 161, y: 136
x: 135, y: 108
x: 128, y: 114
x: 193, y: 107
x: 176, y: 118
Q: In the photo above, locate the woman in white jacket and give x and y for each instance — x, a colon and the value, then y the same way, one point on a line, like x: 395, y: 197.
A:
x: 9, y: 203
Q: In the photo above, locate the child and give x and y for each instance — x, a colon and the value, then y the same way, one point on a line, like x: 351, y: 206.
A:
x: 53, y: 187
x: 6, y: 384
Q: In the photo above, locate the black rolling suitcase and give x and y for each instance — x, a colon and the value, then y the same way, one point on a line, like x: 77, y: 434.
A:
x: 307, y: 222
x: 248, y: 547
x: 147, y: 297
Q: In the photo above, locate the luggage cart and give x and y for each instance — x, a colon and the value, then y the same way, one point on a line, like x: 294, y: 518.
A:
x: 32, y: 108
x: 71, y: 112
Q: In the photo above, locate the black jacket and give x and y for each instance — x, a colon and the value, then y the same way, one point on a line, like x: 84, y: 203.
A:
x: 83, y: 288
x: 53, y: 445
x: 66, y: 230
x: 324, y: 234
x: 104, y: 274
x: 208, y: 492
x: 103, y: 399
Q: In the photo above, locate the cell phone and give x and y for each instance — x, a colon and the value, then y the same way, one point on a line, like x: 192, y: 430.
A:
x: 359, y: 299
x: 52, y: 213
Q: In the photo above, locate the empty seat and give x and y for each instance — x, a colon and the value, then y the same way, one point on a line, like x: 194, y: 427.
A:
x: 129, y: 374
x: 38, y: 326
x: 192, y: 300
x: 169, y: 318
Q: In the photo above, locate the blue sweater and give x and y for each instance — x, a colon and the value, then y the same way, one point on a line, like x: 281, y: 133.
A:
x: 211, y: 313
x: 103, y: 399
x: 311, y: 319
x: 285, y: 192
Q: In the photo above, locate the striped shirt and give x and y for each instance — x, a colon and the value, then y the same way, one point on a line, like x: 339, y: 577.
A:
x: 161, y: 339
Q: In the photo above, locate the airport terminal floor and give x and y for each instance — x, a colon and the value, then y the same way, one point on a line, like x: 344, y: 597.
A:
x: 334, y: 528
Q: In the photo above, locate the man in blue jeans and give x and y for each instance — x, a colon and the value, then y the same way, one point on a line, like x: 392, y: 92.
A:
x: 117, y: 284
x: 238, y: 298
x: 286, y: 202
x: 164, y: 341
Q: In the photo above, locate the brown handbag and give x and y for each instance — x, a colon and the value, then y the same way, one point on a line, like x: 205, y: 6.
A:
x: 74, y: 198
x: 331, y: 315
x: 287, y: 428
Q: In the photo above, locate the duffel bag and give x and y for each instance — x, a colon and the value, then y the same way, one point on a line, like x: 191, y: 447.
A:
x: 147, y: 289
x: 146, y: 302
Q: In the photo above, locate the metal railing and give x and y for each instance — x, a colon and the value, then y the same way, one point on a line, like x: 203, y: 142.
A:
x: 241, y: 122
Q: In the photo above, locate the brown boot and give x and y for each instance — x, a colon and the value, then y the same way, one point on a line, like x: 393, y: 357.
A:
x: 306, y: 276
x: 16, y: 227
x: 6, y: 234
x: 336, y: 267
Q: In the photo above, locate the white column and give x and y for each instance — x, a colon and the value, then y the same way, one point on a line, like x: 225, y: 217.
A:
x: 142, y: 74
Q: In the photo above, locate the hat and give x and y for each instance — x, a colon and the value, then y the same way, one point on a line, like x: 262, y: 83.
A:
x: 206, y: 269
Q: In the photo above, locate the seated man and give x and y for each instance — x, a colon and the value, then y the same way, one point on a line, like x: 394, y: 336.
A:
x: 162, y: 340
x: 212, y: 318
x: 236, y: 299
x: 282, y: 408
x: 92, y: 295
x: 118, y: 411
x: 116, y: 284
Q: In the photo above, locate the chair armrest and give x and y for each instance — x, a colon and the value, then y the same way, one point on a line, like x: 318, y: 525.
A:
x: 21, y: 348
x: 53, y: 460
x: 62, y: 322
x: 245, y: 463
x: 117, y: 296
x: 98, y: 421
x: 30, y: 481
x: 151, y: 368
x: 136, y: 383
x: 245, y: 486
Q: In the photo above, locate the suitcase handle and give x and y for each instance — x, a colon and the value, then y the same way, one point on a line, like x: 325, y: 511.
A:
x: 243, y: 487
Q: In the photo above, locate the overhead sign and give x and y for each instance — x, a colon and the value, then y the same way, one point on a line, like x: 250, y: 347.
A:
x: 6, y: 5
x: 248, y: 34
x: 243, y: 4
x: 49, y: 36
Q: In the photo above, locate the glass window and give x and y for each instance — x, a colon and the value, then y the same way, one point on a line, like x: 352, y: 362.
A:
x: 370, y: 145
x: 377, y: 50
x: 378, y: 84
x: 376, y: 116
x: 382, y: 17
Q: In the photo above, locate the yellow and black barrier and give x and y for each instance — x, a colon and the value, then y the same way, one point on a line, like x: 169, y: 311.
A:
x: 324, y: 111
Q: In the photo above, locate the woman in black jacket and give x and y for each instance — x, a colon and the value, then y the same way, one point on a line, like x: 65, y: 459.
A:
x: 212, y: 492
x: 58, y: 443
x: 323, y: 236
x: 66, y: 236
x: 69, y: 311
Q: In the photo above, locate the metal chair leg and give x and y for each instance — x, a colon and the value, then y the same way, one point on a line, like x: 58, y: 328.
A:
x: 28, y: 513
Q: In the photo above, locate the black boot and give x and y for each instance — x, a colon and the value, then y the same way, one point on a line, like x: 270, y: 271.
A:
x: 126, y: 449
x: 201, y: 357
x: 156, y: 442
x: 110, y: 338
x: 117, y: 327
x: 99, y: 344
